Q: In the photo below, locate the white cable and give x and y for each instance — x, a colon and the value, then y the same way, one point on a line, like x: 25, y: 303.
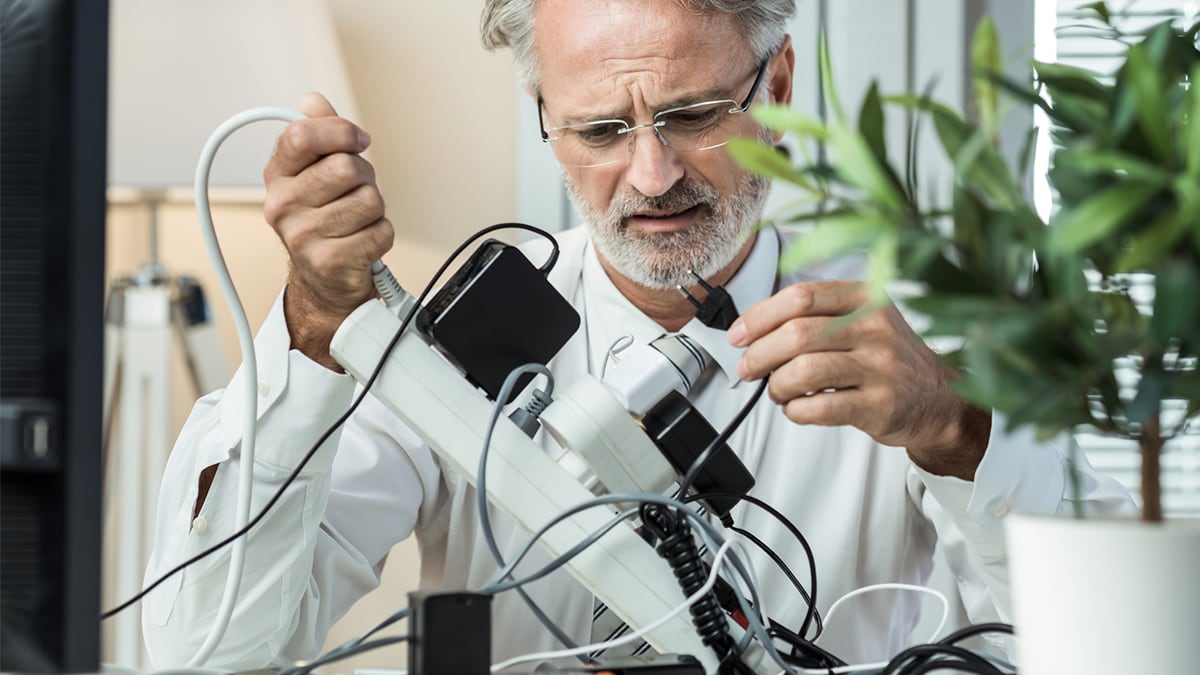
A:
x: 895, y: 587
x: 241, y: 325
x: 718, y: 560
x: 843, y: 670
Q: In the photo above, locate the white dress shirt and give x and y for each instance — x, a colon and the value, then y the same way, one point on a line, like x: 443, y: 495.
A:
x: 869, y: 514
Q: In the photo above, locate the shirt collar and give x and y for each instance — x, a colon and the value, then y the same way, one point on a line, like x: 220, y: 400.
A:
x: 610, y: 315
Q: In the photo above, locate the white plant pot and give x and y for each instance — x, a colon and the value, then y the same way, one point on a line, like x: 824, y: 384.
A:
x: 1105, y: 597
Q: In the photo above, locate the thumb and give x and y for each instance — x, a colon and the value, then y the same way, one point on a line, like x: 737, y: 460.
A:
x: 316, y: 105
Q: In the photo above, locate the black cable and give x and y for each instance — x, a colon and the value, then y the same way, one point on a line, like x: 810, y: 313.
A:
x: 959, y: 666
x: 976, y: 629
x: 813, y: 613
x: 917, y: 659
x: 804, y: 653
x: 341, y: 420
x: 678, y: 548
x: 779, y: 563
x: 924, y: 656
x: 703, y: 457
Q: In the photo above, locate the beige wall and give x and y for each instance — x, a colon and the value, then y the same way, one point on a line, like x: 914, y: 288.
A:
x: 441, y: 113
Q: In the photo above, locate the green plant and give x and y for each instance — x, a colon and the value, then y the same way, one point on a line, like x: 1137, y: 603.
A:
x: 1044, y: 313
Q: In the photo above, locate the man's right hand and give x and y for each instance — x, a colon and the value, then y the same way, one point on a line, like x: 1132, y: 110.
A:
x: 323, y: 203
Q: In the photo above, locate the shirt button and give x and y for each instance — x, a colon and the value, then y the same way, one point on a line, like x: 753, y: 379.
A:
x: 1000, y: 511
x: 264, y: 389
x: 200, y: 524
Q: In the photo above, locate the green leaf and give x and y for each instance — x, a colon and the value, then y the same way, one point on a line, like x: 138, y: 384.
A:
x: 1101, y: 9
x: 1091, y: 162
x: 870, y: 123
x: 881, y: 265
x: 1063, y: 79
x: 765, y: 160
x: 787, y: 119
x: 825, y: 70
x: 859, y: 167
x: 1193, y: 127
x: 1025, y: 158
x: 1098, y: 217
x: 830, y: 237
x: 1148, y: 88
x: 977, y: 160
x: 986, y: 59
x: 969, y: 230
x: 1080, y: 114
x: 1156, y: 240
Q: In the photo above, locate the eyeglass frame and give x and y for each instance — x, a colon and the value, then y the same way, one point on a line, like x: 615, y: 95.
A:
x: 655, y: 123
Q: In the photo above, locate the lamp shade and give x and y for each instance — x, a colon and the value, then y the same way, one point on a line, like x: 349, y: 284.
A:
x: 179, y: 68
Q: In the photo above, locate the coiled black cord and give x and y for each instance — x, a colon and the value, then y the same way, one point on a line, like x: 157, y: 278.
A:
x: 678, y: 547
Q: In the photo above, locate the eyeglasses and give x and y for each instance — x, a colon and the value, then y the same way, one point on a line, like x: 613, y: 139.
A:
x: 690, y: 128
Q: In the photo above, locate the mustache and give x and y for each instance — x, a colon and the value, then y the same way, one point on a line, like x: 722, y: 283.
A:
x: 681, y: 197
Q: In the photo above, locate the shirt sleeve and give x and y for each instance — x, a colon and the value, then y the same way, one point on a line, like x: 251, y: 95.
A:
x: 318, y: 549
x: 1018, y: 474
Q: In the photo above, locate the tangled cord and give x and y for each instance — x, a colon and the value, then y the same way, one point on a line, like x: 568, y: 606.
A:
x: 678, y: 548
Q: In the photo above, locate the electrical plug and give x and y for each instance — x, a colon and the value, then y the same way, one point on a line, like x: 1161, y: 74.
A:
x: 717, y: 310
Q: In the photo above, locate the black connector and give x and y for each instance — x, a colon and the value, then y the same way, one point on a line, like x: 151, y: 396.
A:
x: 451, y: 633
x: 681, y: 434
x: 717, y: 310
x: 498, y: 312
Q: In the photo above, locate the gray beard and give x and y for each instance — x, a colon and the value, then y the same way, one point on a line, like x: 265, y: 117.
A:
x: 665, y: 260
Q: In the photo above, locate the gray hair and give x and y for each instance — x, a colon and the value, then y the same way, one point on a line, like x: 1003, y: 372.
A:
x: 509, y: 23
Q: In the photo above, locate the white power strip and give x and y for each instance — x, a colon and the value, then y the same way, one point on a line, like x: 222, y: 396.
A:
x: 432, y: 398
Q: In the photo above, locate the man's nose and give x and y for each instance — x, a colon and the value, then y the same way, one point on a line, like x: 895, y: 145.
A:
x: 654, y: 167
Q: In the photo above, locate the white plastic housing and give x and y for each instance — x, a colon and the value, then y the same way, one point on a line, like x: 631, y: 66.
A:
x: 586, y: 418
x: 432, y: 398
x: 648, y: 372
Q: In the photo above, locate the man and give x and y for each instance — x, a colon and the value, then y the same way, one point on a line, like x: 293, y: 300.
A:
x: 876, y: 468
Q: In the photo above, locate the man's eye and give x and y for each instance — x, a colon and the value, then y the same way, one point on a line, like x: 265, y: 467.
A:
x: 598, y: 134
x: 695, y: 120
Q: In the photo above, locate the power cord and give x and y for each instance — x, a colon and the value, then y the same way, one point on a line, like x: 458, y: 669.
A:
x: 813, y: 616
x: 526, y: 421
x: 717, y: 310
x: 384, y: 283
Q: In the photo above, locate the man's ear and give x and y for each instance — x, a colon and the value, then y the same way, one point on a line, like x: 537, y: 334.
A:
x: 783, y: 65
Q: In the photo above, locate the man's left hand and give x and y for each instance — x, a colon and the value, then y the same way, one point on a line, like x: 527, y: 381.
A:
x: 873, y: 373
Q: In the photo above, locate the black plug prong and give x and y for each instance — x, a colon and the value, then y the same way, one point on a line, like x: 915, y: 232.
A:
x: 700, y: 280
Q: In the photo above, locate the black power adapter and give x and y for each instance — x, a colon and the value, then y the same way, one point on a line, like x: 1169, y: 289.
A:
x: 682, y: 433
x: 498, y: 312
x: 451, y: 633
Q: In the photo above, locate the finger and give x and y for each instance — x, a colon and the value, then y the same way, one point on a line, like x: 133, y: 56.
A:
x: 325, y: 181
x: 817, y: 298
x: 814, y: 373
x: 844, y: 407
x: 304, y: 142
x: 805, y: 335
x: 313, y: 104
x: 353, y: 212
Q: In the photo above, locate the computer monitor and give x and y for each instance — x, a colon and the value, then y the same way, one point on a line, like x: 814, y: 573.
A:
x: 53, y: 93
